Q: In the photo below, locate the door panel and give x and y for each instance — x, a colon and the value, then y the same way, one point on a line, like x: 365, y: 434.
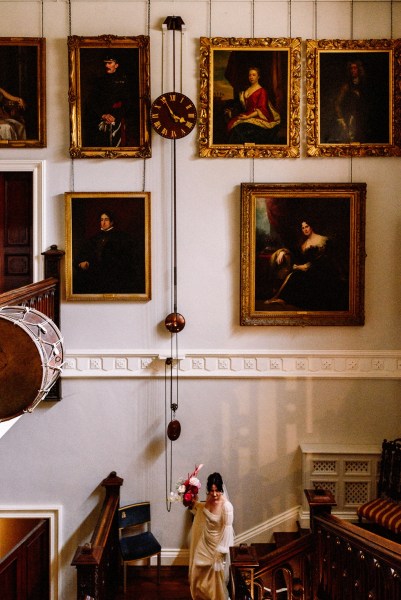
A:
x: 16, y: 216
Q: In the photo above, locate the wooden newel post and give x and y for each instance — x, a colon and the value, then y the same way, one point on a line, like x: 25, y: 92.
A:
x: 52, y: 258
x: 320, y: 501
x: 112, y: 484
x: 243, y: 562
x: 97, y: 562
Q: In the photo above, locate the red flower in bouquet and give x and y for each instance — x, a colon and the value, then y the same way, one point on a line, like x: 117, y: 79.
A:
x: 187, y: 489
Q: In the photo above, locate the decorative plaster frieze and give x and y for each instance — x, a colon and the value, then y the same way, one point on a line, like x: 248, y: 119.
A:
x: 220, y: 364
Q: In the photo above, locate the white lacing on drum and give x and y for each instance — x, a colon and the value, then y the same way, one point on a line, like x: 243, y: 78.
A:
x: 42, y: 341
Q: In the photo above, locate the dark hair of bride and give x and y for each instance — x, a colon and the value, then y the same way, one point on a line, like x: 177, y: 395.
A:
x: 215, y: 479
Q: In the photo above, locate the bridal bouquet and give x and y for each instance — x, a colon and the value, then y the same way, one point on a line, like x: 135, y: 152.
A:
x: 187, y: 489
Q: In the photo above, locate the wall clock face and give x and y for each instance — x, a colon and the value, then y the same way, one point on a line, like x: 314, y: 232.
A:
x: 173, y: 115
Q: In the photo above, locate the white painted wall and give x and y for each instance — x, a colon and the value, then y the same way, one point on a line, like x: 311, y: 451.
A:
x: 248, y: 428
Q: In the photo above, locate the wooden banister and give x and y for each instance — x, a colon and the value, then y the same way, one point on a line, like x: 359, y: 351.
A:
x: 354, y: 563
x: 97, y: 562
x: 38, y: 295
x: 335, y: 560
x: 289, y: 565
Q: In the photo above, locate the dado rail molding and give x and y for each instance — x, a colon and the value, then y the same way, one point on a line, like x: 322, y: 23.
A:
x: 239, y: 364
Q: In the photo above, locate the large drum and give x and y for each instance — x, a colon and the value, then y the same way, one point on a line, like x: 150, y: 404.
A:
x: 31, y: 357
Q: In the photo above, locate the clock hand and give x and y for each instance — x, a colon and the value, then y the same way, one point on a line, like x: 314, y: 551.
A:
x: 174, y: 116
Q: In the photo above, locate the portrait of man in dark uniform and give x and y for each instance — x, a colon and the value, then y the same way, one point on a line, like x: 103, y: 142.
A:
x: 110, y: 102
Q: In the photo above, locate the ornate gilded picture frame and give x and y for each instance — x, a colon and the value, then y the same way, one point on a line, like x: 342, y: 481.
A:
x: 302, y: 253
x: 249, y: 97
x: 23, y: 92
x: 109, y: 96
x: 108, y: 244
x: 353, y: 98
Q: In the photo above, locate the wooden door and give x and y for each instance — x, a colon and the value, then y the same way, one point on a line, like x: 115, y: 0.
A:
x: 16, y: 224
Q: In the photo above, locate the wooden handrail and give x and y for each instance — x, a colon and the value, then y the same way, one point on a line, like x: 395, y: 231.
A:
x: 97, y: 562
x: 40, y: 296
x: 380, y: 546
x: 354, y: 563
x: 27, y: 292
x: 35, y: 295
x: 112, y: 484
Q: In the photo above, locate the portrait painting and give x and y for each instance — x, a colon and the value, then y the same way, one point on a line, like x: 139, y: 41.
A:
x: 302, y: 253
x: 108, y: 246
x: 249, y: 97
x: 109, y: 97
x: 22, y: 92
x: 351, y: 95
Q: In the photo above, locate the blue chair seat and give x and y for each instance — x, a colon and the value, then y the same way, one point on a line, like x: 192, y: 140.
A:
x: 139, y: 546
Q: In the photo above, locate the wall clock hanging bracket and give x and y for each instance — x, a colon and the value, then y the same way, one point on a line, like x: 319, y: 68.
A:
x: 174, y: 24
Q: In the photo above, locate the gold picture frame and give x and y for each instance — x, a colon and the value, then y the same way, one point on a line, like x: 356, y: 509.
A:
x: 353, y: 98
x: 302, y: 253
x: 109, y: 96
x: 240, y: 117
x: 106, y: 260
x: 23, y: 92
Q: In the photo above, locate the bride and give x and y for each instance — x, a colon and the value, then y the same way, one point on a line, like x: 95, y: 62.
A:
x: 212, y: 536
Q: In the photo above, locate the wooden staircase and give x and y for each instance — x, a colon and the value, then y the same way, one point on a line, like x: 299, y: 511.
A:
x: 280, y: 584
x: 334, y: 560
x: 278, y: 570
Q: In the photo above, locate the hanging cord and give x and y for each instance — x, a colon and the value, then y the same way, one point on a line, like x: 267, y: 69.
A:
x: 290, y: 16
x: 164, y: 29
x: 175, y: 197
x: 42, y: 20
x: 144, y: 160
x: 181, y: 55
x: 175, y: 228
x: 174, y: 59
x: 352, y: 37
x: 253, y: 35
x: 352, y: 19
x: 72, y: 177
x: 315, y: 18
x: 210, y: 18
x: 69, y: 18
x: 144, y: 175
x: 167, y: 442
x: 391, y: 19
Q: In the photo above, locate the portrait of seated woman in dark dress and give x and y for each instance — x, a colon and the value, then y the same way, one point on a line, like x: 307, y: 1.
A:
x: 308, y: 277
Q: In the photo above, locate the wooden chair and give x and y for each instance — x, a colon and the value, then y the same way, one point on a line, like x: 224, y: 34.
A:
x: 137, y: 542
x: 385, y: 510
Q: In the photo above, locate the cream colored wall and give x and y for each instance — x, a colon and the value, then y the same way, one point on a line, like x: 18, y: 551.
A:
x: 246, y: 426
